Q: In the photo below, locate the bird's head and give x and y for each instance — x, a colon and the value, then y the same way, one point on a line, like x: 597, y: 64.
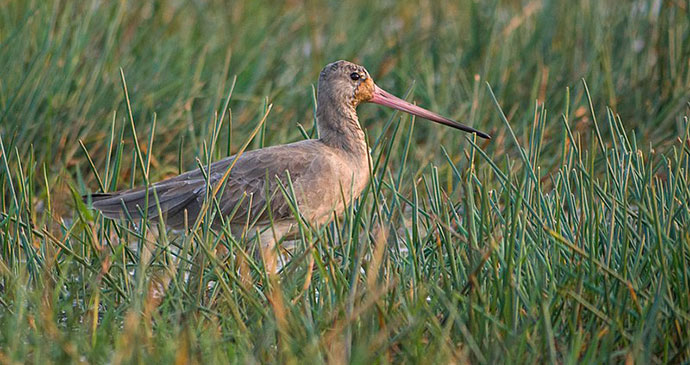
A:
x: 347, y: 84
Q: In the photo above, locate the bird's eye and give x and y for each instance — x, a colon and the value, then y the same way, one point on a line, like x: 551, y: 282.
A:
x: 354, y: 76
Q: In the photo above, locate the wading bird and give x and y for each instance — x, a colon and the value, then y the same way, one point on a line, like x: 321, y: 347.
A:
x: 325, y: 173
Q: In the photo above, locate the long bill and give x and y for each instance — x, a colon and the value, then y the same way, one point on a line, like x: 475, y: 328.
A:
x: 383, y: 97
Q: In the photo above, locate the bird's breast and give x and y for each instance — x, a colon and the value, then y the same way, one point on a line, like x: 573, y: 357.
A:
x: 338, y: 182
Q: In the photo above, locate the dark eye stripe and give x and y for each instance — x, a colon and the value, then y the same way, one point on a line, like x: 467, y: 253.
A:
x: 354, y: 76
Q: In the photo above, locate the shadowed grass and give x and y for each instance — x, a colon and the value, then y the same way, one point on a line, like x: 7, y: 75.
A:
x: 564, y: 239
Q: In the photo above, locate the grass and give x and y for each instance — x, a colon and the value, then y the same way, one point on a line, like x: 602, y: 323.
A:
x: 565, y: 239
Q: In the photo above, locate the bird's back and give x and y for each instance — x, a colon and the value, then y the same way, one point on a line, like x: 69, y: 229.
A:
x: 316, y: 173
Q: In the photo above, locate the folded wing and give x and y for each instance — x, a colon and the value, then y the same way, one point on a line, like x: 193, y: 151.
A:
x: 253, y: 180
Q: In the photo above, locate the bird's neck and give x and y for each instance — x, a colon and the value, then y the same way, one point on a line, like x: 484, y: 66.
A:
x: 339, y: 128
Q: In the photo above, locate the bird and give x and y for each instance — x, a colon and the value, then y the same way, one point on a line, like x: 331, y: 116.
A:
x: 326, y: 173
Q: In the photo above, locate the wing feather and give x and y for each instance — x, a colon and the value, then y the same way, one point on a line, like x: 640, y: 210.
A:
x: 256, y: 174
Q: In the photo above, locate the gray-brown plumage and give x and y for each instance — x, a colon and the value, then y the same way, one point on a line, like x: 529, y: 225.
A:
x: 326, y: 173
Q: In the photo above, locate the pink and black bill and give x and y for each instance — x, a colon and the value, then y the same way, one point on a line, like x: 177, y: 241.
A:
x: 382, y: 97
